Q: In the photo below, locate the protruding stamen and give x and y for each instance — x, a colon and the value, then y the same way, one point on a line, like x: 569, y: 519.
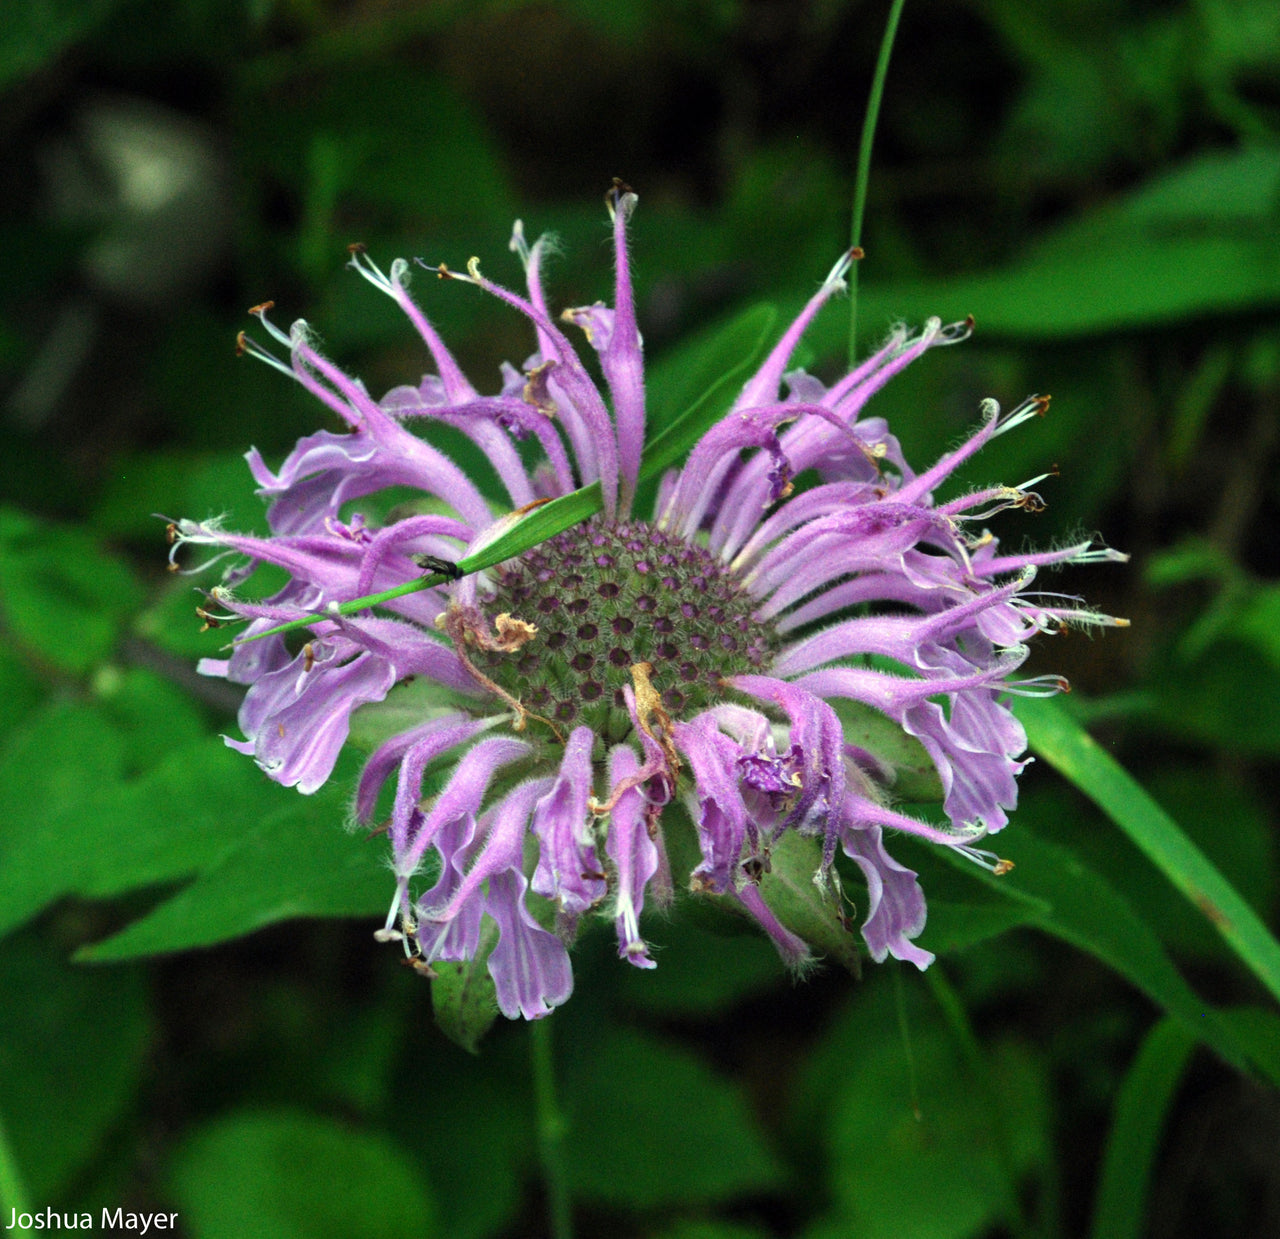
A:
x: 621, y: 195
x: 835, y: 277
x: 248, y: 346
x: 362, y: 263
x: 1100, y: 555
x: 955, y: 333
x: 518, y: 245
x: 1032, y: 406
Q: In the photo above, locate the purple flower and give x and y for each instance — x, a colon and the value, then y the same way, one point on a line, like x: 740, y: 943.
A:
x: 699, y: 661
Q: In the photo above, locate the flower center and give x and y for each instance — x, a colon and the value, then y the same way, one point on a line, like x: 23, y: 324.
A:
x: 607, y: 597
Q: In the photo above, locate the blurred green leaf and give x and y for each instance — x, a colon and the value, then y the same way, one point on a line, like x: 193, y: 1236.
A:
x: 150, y: 715
x: 399, y: 137
x: 1192, y: 242
x: 50, y: 762
x: 912, y: 1143
x: 296, y: 862
x: 700, y: 972
x: 956, y: 926
x: 39, y: 31
x: 198, y: 485
x: 650, y: 1126
x: 1070, y: 750
x: 479, y: 1147
x: 73, y: 1042
x: 1140, y: 1112
x: 1257, y: 1031
x: 1084, y: 909
x: 1226, y: 698
x: 61, y: 595
x: 87, y: 832
x: 708, y: 1229
x: 289, y: 1175
x: 1222, y: 814
x: 690, y: 390
x: 20, y: 688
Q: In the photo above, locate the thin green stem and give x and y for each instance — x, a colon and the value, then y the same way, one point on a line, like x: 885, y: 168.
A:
x: 13, y: 1192
x: 863, y: 174
x: 551, y: 1130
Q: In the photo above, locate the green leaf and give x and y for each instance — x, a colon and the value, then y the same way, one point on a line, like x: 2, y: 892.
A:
x: 151, y: 715
x: 64, y: 1079
x: 542, y: 523
x: 915, y: 777
x: 20, y: 688
x: 700, y: 973
x: 463, y: 995
x: 912, y: 1140
x: 1221, y: 813
x: 1257, y: 1031
x: 290, y: 1175
x: 1082, y: 908
x: 1143, y: 1103
x: 38, y: 31
x: 792, y: 896
x: 1063, y: 743
x: 651, y: 1126
x: 83, y: 831
x: 297, y: 862
x: 707, y: 374
x: 954, y: 926
x: 61, y: 596
x: 1193, y: 242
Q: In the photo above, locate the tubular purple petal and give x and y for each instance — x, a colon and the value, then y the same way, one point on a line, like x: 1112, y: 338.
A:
x: 695, y: 656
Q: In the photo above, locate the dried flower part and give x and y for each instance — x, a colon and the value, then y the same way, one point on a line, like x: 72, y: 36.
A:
x: 697, y: 658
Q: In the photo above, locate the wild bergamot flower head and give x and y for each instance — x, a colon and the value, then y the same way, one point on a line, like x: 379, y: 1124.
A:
x: 705, y: 669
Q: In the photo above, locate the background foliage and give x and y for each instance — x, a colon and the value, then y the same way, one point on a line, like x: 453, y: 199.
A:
x: 1098, y: 183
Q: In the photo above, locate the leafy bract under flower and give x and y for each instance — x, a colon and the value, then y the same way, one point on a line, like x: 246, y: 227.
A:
x: 636, y: 673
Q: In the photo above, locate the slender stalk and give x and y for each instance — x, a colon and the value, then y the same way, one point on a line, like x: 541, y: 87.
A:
x: 863, y: 174
x: 551, y: 1130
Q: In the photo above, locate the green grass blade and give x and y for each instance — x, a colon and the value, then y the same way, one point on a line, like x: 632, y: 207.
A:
x: 1144, y: 1101
x: 1066, y: 746
x: 543, y: 522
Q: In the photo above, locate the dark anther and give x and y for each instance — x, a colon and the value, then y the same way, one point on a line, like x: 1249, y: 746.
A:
x: 357, y: 247
x: 263, y: 308
x: 438, y: 269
